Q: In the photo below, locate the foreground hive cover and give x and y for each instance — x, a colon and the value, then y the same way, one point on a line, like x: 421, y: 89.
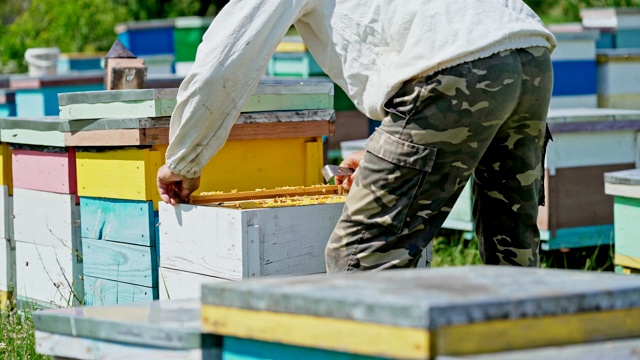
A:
x: 427, y: 312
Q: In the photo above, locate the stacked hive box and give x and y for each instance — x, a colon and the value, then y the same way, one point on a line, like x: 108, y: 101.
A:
x: 72, y: 62
x: 158, y: 330
x: 45, y: 215
x: 38, y: 96
x: 415, y: 314
x: 7, y: 245
x: 187, y: 35
x: 625, y: 188
x: 574, y: 67
x: 586, y: 144
x: 151, y: 40
x: 277, y: 140
x: 619, y: 78
x: 620, y: 26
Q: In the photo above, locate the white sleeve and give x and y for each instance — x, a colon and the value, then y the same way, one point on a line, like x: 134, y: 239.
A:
x: 230, y: 61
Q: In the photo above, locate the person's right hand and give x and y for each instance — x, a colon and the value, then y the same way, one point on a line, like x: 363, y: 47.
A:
x: 175, y: 188
x: 351, y: 161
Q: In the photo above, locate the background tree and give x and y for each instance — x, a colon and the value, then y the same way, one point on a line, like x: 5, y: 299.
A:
x: 88, y: 25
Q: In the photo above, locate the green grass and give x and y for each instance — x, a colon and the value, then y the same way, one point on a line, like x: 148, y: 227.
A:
x: 17, y: 335
x: 451, y: 248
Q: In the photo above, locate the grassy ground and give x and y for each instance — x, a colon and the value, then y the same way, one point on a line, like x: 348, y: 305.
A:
x: 450, y: 248
x: 17, y: 336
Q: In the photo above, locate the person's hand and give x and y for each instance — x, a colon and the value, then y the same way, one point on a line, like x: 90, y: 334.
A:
x: 175, y: 188
x: 351, y: 161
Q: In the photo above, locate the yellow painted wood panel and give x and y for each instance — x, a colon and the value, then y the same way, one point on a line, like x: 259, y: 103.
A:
x: 5, y: 167
x: 627, y: 261
x: 506, y: 335
x: 413, y: 343
x: 241, y: 165
x: 120, y: 174
x: 316, y: 332
x: 246, y: 165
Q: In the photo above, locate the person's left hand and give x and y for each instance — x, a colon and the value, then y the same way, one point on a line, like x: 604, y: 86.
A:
x: 175, y: 188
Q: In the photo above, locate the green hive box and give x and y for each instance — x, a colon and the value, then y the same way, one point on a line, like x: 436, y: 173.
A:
x: 187, y: 35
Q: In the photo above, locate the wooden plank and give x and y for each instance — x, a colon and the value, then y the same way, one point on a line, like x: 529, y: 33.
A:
x: 203, y: 199
x: 79, y: 78
x: 157, y: 103
x: 569, y: 150
x: 8, y: 266
x: 266, y: 164
x: 6, y: 214
x: 216, y: 241
x: 627, y: 261
x: 119, y: 174
x: 45, y: 218
x: 101, y: 292
x: 574, y: 101
x: 136, y: 265
x: 630, y: 191
x: 621, y: 101
x: 45, y: 171
x: 178, y: 285
x: 117, y: 137
x: 619, y: 78
x: 580, y: 199
x: 126, y: 221
x: 48, y: 274
x: 70, y: 347
x: 6, y: 177
x: 160, y: 136
x: 33, y: 137
x: 580, y: 237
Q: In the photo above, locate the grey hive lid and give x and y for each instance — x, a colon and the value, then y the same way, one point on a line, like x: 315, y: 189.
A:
x: 624, y: 177
x: 119, y: 51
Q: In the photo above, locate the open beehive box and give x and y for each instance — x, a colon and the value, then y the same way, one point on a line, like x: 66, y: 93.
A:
x: 236, y: 235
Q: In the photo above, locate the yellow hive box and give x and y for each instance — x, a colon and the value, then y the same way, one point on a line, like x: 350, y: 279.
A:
x: 5, y: 167
x: 240, y: 165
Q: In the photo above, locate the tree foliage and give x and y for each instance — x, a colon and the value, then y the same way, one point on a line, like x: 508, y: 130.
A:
x: 88, y: 25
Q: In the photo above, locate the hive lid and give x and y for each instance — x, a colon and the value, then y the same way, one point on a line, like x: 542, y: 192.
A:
x: 164, y: 324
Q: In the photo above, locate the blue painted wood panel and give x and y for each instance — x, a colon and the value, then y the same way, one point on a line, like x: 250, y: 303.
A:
x: 574, y: 77
x: 154, y: 41
x: 44, y: 101
x: 578, y: 237
x: 125, y: 221
x: 99, y: 292
x: 132, y: 264
x: 243, y: 349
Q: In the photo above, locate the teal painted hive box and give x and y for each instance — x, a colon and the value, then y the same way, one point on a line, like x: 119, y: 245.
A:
x: 624, y: 186
x: 38, y: 96
x: 70, y: 62
x: 419, y: 313
x: 151, y: 330
x: 7, y: 103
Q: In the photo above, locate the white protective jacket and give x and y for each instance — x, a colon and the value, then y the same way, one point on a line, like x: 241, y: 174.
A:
x: 367, y: 47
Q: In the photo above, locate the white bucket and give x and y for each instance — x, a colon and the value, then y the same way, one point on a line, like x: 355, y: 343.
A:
x: 42, y: 61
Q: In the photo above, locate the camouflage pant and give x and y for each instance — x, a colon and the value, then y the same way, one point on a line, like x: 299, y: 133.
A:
x: 484, y: 118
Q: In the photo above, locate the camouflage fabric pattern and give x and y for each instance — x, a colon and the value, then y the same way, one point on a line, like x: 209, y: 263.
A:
x: 486, y: 119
